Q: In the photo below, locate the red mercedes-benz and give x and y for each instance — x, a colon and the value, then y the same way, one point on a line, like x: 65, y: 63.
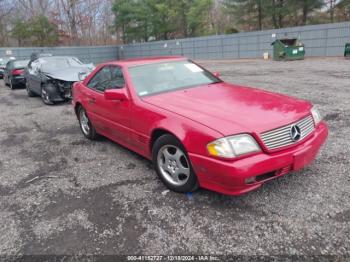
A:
x: 197, y: 129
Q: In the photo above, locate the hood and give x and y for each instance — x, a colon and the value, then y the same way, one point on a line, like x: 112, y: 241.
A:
x: 70, y: 74
x: 231, y: 109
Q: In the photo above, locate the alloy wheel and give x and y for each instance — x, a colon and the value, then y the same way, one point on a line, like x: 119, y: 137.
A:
x: 173, y: 165
x: 84, y: 122
x: 45, y: 96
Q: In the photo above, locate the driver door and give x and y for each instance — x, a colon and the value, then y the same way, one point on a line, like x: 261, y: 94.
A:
x: 111, y: 118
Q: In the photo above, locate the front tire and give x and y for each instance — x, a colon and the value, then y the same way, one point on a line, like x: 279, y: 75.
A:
x: 86, y: 126
x: 45, y: 96
x: 172, y: 164
x: 29, y: 92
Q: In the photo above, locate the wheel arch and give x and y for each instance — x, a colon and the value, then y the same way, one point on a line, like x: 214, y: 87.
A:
x: 76, y: 108
x: 157, y: 133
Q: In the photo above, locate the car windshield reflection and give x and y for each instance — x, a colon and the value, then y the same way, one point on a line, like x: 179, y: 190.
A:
x: 168, y: 76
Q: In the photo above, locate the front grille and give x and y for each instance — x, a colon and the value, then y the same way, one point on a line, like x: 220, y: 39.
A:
x: 281, y: 137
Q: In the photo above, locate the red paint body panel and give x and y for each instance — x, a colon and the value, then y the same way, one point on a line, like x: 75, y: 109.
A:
x: 198, y: 116
x: 232, y: 109
x: 229, y: 176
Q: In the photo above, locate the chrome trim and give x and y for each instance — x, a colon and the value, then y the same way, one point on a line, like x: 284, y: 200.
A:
x: 280, y: 137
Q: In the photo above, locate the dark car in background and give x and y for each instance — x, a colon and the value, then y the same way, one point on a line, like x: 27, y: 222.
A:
x: 14, y: 73
x: 52, y: 77
x: 3, y: 62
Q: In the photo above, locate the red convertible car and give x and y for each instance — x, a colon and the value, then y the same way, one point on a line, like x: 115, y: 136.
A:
x: 197, y: 129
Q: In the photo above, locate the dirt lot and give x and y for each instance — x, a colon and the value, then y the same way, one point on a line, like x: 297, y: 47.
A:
x: 62, y: 194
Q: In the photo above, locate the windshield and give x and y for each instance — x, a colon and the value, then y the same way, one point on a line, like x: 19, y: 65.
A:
x: 54, y: 63
x: 20, y: 63
x: 168, y: 76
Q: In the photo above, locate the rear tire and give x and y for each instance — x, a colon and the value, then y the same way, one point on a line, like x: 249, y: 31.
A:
x: 173, y: 165
x: 86, y: 126
x: 11, y: 85
x: 45, y: 96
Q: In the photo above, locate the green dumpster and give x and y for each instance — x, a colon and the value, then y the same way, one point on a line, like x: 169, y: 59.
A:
x: 347, y: 50
x: 288, y: 49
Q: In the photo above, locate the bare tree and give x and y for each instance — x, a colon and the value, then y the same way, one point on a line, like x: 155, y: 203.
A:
x: 331, y: 4
x: 6, y: 8
x: 32, y: 8
x: 69, y: 8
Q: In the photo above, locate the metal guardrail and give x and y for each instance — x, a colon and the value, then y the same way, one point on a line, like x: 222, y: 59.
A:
x: 319, y: 40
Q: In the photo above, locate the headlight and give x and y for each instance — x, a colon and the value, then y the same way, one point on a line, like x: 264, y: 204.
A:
x: 316, y: 115
x: 233, y: 146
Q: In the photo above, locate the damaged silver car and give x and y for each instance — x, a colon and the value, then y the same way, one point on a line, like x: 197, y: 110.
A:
x: 52, y: 77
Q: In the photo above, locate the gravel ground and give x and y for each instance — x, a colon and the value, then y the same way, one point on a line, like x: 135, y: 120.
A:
x: 62, y: 194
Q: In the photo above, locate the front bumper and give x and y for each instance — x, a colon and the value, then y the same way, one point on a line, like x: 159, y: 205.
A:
x: 59, y: 93
x: 230, y: 177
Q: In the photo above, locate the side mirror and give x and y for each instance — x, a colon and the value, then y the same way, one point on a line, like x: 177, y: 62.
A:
x: 217, y: 74
x: 115, y: 94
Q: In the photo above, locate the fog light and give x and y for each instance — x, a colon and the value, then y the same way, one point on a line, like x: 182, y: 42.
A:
x: 250, y: 180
